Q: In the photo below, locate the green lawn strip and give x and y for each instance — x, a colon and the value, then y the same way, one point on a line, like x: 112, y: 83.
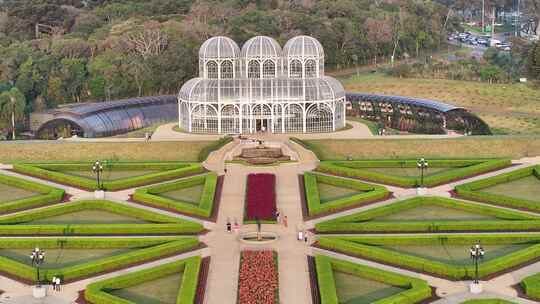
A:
x: 477, y: 190
x: 416, y: 290
x: 487, y: 301
x: 214, y: 146
x: 44, y: 194
x: 99, y: 292
x: 141, y: 250
x: 373, y: 248
x: 461, y: 168
x: 57, y: 172
x: 154, y: 223
x: 370, y: 220
x: 368, y: 193
x: 531, y: 286
x: 153, y: 195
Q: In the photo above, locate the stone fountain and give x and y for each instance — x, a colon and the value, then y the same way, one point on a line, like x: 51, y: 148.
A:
x: 262, y: 154
x: 258, y: 237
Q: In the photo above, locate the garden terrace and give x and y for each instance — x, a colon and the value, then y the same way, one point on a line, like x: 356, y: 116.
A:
x: 77, y: 258
x: 94, y: 217
x: 515, y: 189
x: 431, y: 214
x: 261, y: 197
x: 172, y: 283
x: 123, y: 174
x: 195, y: 196
x: 327, y: 194
x: 441, y: 255
x: 19, y: 194
x: 404, y: 173
x: 345, y: 282
x: 258, y: 280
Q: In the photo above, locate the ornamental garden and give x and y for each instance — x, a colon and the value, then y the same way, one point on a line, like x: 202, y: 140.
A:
x: 330, y: 231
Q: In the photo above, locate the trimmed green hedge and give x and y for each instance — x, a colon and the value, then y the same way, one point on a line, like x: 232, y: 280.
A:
x: 18, y: 224
x: 53, y: 172
x: 369, y: 193
x: 97, y: 293
x: 463, y: 168
x: 370, y: 247
x: 417, y: 290
x: 218, y: 144
x: 487, y: 301
x: 531, y: 286
x: 473, y: 190
x: 45, y: 194
x: 367, y: 221
x: 146, y: 249
x: 150, y: 195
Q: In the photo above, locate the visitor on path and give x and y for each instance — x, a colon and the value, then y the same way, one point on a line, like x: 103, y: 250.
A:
x: 306, y: 237
x: 57, y: 284
x: 53, y: 283
x: 300, y: 235
x: 236, y: 227
x: 228, y: 226
x: 278, y: 217
x: 285, y: 221
x: 225, y: 170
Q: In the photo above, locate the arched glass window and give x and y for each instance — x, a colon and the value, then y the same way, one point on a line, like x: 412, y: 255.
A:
x: 296, y: 69
x: 311, y: 68
x: 227, y: 70
x: 269, y: 69
x: 254, y: 69
x: 212, y: 69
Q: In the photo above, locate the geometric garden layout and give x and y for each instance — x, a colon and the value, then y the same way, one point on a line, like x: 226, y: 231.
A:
x: 371, y: 240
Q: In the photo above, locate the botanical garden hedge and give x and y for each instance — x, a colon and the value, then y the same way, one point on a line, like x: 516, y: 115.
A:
x: 369, y: 247
x: 473, y: 190
x: 531, y: 286
x: 98, y: 292
x: 20, y: 223
x: 54, y: 172
x: 145, y: 249
x: 369, y: 193
x: 416, y: 290
x: 462, y: 168
x: 44, y: 194
x: 216, y: 145
x: 150, y: 195
x: 487, y: 301
x: 367, y: 221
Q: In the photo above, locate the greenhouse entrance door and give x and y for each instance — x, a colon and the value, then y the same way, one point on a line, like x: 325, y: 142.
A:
x: 262, y: 125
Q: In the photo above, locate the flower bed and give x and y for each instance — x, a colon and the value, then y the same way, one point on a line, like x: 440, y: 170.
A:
x: 261, y: 197
x: 258, y: 279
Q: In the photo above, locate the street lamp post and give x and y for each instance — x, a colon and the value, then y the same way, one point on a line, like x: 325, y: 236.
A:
x: 38, y: 257
x: 477, y: 253
x: 422, y: 165
x: 98, y: 169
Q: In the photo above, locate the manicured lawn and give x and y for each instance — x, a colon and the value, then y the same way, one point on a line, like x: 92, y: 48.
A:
x: 159, y: 291
x: 455, y: 254
x: 88, y: 217
x: 10, y: 193
x: 433, y: 212
x: 329, y: 192
x: 525, y: 188
x: 110, y: 175
x: 189, y: 195
x: 352, y: 289
x: 56, y: 258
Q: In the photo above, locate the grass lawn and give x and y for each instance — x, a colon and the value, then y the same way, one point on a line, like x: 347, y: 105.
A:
x: 455, y: 254
x: 50, y: 151
x: 140, y: 133
x: 87, y: 217
x: 507, y: 108
x: 464, y: 147
x: 433, y: 212
x: 525, y: 188
x: 329, y: 192
x: 160, y: 291
x: 188, y: 195
x: 353, y: 289
x: 9, y: 193
x: 57, y: 258
x: 110, y: 175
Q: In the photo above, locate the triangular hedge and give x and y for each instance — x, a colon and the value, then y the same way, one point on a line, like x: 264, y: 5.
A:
x: 44, y: 194
x: 367, y: 221
x: 361, y: 169
x: 154, y: 223
x: 99, y: 292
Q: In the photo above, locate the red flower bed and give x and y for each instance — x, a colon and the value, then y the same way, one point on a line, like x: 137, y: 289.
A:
x: 258, y: 278
x: 261, y: 196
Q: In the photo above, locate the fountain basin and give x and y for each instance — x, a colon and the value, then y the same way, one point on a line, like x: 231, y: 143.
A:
x: 251, y: 238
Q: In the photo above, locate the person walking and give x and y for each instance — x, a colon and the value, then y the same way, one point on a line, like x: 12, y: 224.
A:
x: 306, y: 237
x: 53, y: 283
x: 300, y: 235
x: 236, y: 227
x: 229, y: 226
x: 285, y: 221
x: 58, y: 284
x: 278, y: 217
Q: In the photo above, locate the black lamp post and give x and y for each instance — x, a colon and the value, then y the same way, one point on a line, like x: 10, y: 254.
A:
x: 38, y: 257
x: 477, y: 253
x: 98, y: 168
x: 422, y: 164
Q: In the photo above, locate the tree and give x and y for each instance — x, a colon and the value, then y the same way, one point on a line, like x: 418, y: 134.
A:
x: 12, y: 106
x: 534, y: 61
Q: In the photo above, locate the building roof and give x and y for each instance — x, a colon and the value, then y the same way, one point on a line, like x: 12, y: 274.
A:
x: 419, y: 102
x: 219, y: 48
x: 303, y: 47
x: 261, y: 47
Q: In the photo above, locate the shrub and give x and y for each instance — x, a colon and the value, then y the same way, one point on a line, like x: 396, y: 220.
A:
x: 218, y: 144
x: 45, y: 194
x: 97, y: 293
x: 151, y: 195
x: 369, y: 193
x: 531, y: 286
